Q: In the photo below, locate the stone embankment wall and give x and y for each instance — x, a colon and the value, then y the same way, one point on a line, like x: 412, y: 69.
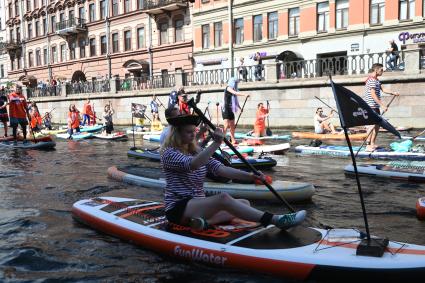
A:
x: 292, y: 101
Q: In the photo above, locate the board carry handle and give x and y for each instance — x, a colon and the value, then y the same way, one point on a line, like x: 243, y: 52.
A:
x: 192, y: 104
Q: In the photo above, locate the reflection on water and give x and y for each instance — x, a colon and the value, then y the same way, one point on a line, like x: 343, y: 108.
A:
x: 39, y: 239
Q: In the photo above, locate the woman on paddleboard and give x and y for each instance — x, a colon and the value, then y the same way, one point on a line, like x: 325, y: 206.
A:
x: 4, y: 117
x: 36, y: 120
x: 260, y: 121
x: 73, y: 120
x: 322, y: 124
x: 231, y: 106
x: 185, y: 166
x: 108, y: 124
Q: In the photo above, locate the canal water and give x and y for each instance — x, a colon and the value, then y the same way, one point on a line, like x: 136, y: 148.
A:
x: 40, y: 242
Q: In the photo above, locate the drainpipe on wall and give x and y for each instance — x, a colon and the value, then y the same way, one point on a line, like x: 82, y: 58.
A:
x: 49, y: 66
x: 23, y: 34
x: 150, y: 46
x: 108, y: 25
x: 231, y: 38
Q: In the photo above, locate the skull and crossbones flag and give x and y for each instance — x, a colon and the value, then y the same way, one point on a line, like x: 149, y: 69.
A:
x: 138, y: 110
x: 354, y: 111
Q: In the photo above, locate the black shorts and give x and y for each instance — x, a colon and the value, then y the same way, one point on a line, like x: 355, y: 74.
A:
x: 4, y: 117
x: 175, y: 214
x: 228, y: 114
x: 109, y: 128
x: 377, y: 111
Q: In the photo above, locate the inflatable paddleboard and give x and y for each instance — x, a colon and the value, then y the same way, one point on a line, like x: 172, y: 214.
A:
x: 141, y: 133
x: 240, y: 149
x: 152, y: 138
x: 53, y: 132
x: 30, y: 138
x: 154, y: 178
x: 399, y: 128
x: 76, y: 136
x: 309, y: 135
x: 114, y: 136
x: 42, y: 145
x: 420, y: 138
x: 343, y: 151
x: 298, y: 253
x: 91, y: 129
x: 420, y: 208
x: 250, y: 136
x: 275, y: 148
x: 258, y: 163
x: 388, y: 171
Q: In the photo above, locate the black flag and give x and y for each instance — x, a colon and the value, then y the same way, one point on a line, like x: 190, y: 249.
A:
x: 138, y: 110
x: 354, y: 111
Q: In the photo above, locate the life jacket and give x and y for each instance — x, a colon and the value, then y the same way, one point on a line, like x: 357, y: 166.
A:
x: 73, y: 120
x: 36, y: 120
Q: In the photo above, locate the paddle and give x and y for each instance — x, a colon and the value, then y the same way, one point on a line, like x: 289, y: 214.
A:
x: 207, y: 122
x: 160, y: 103
x: 327, y: 105
x: 243, y: 106
x: 415, y: 137
x: 268, y: 131
x: 48, y: 113
x: 29, y: 119
x: 371, y: 129
x: 217, y: 104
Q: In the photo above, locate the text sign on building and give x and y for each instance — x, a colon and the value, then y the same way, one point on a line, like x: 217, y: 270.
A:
x: 415, y: 37
x: 355, y: 47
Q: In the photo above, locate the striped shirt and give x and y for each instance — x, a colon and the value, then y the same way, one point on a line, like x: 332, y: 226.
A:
x: 372, y: 83
x: 181, y: 181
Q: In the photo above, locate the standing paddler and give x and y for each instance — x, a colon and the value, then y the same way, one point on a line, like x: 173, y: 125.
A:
x: 18, y: 108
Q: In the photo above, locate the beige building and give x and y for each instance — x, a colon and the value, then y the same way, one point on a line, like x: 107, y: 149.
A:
x: 85, y: 39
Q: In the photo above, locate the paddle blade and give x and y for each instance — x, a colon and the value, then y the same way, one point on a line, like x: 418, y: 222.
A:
x: 354, y: 111
x: 269, y: 132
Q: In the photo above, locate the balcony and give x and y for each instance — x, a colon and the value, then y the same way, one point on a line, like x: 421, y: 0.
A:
x: 12, y: 45
x: 156, y: 7
x: 72, y: 26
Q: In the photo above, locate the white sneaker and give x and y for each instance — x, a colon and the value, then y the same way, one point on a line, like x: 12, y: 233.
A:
x: 291, y: 219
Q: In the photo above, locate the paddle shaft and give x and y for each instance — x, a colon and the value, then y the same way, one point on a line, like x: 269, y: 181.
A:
x: 243, y: 106
x: 29, y: 120
x: 48, y: 113
x: 217, y: 104
x: 247, y: 164
x: 268, y: 131
x: 327, y: 105
x: 370, y: 131
x: 415, y: 137
x: 160, y: 103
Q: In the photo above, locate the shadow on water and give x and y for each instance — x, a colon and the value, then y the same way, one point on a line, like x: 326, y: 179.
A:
x: 40, y: 242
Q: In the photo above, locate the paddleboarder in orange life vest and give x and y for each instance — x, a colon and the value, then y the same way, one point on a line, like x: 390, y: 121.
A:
x: 260, y: 121
x: 87, y: 112
x: 18, y: 108
x: 73, y: 120
x: 36, y: 120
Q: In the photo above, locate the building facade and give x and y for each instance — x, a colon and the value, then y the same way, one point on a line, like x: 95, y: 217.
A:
x: 78, y: 40
x: 4, y: 57
x: 310, y: 29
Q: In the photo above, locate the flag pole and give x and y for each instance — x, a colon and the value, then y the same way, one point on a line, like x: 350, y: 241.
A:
x: 132, y: 123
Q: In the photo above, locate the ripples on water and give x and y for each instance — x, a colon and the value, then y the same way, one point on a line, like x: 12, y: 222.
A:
x: 40, y: 242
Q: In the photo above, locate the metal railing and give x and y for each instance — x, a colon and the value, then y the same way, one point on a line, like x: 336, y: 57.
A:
x: 146, y: 82
x: 222, y: 76
x: 73, y: 22
x: 160, y: 3
x: 44, y: 91
x: 88, y: 87
x: 337, y: 65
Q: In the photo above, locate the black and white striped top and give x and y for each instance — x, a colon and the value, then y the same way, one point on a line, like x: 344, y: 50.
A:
x: 372, y: 83
x: 181, y: 181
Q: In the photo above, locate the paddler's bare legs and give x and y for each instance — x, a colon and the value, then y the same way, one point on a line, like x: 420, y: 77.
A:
x: 372, y: 138
x: 230, y: 124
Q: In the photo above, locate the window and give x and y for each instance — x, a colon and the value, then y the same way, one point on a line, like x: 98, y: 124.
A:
x: 178, y: 24
x: 72, y: 50
x: 239, y: 31
x: 11, y: 35
x: 127, y: 6
x: 92, y: 43
x: 63, y: 52
x: 82, y: 45
x: 163, y: 28
x: 35, y: 4
x: 102, y: 9
x: 29, y: 30
x: 18, y: 60
x: 18, y: 34
x: 140, y: 37
x: 127, y: 40
x: 37, y: 28
x: 206, y: 36
x: 323, y: 17
x: 141, y: 4
x: 218, y: 34
x: 82, y: 13
x: 92, y: 13
x: 30, y: 59
x: 53, y: 25
x: 71, y: 16
x: 54, y: 58
x: 114, y: 7
x: 44, y: 26
x: 16, y: 10
x: 45, y: 56
x: 341, y: 14
x: 407, y: 9
x: 12, y: 64
x: 61, y: 17
x: 294, y: 21
x: 1, y: 71
x: 10, y: 12
x: 115, y: 47
x: 273, y: 25
x: 377, y: 12
x: 28, y: 5
x: 258, y: 28
x: 38, y: 57
x: 103, y: 44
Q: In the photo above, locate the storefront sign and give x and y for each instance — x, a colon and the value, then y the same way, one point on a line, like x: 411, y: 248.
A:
x: 415, y: 37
